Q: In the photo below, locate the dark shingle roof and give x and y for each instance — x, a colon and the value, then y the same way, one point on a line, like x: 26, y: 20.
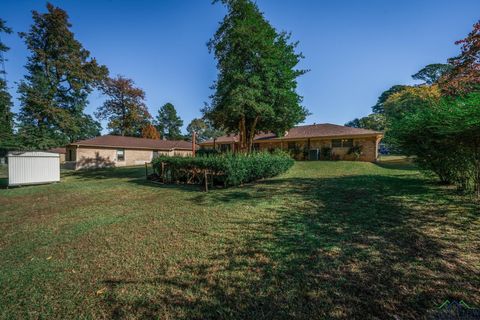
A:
x: 326, y: 130
x: 134, y: 143
x: 307, y: 131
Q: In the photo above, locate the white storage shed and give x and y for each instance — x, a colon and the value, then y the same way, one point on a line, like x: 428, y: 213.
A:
x: 33, y: 167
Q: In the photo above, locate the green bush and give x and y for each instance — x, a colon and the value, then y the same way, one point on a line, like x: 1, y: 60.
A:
x: 356, y: 151
x: 207, y: 152
x: 445, y: 138
x: 227, y: 169
x: 326, y: 153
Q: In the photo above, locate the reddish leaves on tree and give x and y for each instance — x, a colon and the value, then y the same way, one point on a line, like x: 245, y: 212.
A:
x: 150, y: 132
x: 465, y: 74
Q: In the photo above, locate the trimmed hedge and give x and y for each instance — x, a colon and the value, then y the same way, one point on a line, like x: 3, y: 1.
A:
x: 227, y: 169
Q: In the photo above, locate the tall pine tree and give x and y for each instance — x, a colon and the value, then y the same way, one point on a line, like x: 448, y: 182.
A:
x: 54, y: 93
x: 168, y: 123
x: 6, y: 115
x: 256, y: 85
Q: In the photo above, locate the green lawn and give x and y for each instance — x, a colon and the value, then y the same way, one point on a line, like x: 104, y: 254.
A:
x: 326, y: 240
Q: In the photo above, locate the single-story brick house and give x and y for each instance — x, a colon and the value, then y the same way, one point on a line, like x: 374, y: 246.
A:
x: 119, y: 151
x: 311, y: 139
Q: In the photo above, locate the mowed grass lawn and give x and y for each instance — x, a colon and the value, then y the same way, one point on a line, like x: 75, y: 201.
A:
x: 326, y: 240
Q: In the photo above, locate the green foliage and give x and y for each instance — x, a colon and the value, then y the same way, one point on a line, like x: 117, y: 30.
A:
x: 54, y: 93
x: 378, y: 107
x: 168, y: 123
x: 256, y: 85
x: 431, y: 73
x: 203, y: 129
x: 409, y: 100
x: 207, y: 152
x: 6, y: 115
x: 124, y: 108
x: 356, y: 151
x: 228, y: 169
x: 374, y: 121
x: 445, y: 138
x: 326, y: 153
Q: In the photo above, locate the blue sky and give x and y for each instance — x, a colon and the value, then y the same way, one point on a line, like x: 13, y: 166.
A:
x: 354, y: 49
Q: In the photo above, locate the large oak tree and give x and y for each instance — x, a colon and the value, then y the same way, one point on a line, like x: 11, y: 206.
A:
x: 257, y: 75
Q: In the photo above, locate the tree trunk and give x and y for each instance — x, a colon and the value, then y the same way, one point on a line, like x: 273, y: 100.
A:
x: 251, y: 136
x: 242, y: 135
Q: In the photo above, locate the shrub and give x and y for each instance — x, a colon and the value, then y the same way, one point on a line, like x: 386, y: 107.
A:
x: 445, y: 139
x: 326, y: 153
x: 227, y: 169
x: 207, y: 152
x: 356, y: 151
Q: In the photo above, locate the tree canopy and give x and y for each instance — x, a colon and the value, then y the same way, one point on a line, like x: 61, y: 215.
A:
x: 431, y: 73
x: 464, y: 76
x: 256, y: 85
x: 203, y: 130
x: 60, y: 75
x: 409, y: 100
x: 124, y: 108
x: 374, y: 121
x: 150, y: 132
x: 168, y: 123
x: 378, y: 107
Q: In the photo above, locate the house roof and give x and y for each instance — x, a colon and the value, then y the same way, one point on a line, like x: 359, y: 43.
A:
x: 322, y: 130
x: 133, y: 143
x: 58, y: 150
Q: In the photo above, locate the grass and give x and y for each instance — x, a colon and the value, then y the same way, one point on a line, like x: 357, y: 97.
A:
x: 336, y: 240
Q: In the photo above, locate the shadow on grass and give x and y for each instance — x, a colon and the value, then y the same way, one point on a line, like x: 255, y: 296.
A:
x: 134, y: 174
x: 355, y: 247
x: 398, y: 164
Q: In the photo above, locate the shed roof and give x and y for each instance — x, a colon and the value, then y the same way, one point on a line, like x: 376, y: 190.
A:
x: 32, y: 154
x: 133, y: 143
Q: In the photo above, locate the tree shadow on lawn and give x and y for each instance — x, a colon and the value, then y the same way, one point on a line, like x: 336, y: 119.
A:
x: 355, y: 247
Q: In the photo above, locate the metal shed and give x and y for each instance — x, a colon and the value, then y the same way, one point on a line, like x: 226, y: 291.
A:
x: 33, y: 167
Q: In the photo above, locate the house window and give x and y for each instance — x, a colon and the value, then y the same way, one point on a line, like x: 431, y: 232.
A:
x: 339, y: 143
x: 256, y: 146
x: 120, y: 154
x: 224, y: 147
x: 155, y: 154
x: 292, y: 145
x: 336, y: 143
x: 347, y: 143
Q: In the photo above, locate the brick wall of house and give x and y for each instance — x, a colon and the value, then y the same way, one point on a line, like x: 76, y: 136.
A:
x: 90, y: 157
x: 95, y: 158
x: 369, y: 147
